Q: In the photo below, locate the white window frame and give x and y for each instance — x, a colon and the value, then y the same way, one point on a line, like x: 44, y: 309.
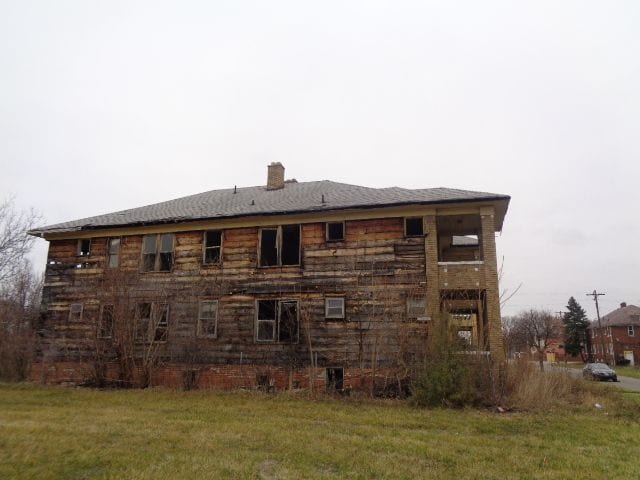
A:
x: 327, y: 308
x: 631, y: 331
x: 158, y: 252
x: 111, y: 255
x: 199, y: 331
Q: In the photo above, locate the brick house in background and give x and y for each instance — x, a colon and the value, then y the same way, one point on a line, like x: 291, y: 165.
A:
x: 280, y: 284
x: 619, y: 331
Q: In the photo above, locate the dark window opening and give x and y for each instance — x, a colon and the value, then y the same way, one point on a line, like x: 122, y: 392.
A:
x: 335, y: 231
x: 162, y: 324
x: 277, y: 320
x: 335, y: 379
x: 143, y: 320
x: 268, y: 247
x: 291, y: 245
x: 212, y: 246
x: 105, y: 329
x: 413, y: 227
x: 84, y: 247
x: 113, y: 251
x: 280, y: 246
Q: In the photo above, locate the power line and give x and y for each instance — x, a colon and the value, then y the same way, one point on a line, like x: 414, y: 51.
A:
x: 595, y: 296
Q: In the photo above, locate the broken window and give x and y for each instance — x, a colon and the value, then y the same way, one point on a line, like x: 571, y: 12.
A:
x: 143, y: 320
x: 334, y: 307
x: 280, y: 246
x: 413, y: 227
x: 84, y: 247
x: 416, y: 308
x: 162, y: 324
x: 75, y: 312
x: 208, y: 318
x: 113, y: 251
x: 105, y: 327
x: 277, y: 319
x: 212, y: 247
x: 335, y: 379
x: 335, y: 231
x: 157, y: 252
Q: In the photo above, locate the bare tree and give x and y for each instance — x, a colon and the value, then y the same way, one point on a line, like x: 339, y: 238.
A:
x: 15, y: 244
x: 535, y: 329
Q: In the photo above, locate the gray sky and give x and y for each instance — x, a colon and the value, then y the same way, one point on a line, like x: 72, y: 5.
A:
x: 112, y: 105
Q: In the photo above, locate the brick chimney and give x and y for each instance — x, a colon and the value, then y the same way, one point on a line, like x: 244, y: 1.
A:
x: 275, y: 176
x: 623, y: 304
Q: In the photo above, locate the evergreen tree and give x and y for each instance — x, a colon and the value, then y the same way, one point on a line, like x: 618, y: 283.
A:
x: 575, y: 327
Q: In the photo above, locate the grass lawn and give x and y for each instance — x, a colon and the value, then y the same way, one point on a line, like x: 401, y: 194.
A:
x: 58, y: 433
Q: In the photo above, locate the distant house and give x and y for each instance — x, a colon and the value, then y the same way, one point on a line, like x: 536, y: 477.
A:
x: 234, y: 287
x: 616, y: 339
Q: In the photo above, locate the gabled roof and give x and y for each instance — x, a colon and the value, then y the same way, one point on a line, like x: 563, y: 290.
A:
x: 295, y: 197
x: 623, y: 316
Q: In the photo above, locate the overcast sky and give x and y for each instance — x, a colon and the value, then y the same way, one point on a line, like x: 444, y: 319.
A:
x: 112, y: 105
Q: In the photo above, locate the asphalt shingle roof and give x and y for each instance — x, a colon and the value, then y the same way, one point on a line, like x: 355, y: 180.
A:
x: 295, y: 197
x: 629, y: 315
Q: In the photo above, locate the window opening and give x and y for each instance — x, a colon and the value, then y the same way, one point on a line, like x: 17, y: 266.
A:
x: 335, y: 231
x: 334, y: 307
x: 113, y: 250
x: 84, y: 247
x: 212, y: 246
x: 413, y: 227
x: 105, y: 329
x: 157, y: 252
x: 208, y: 318
x: 75, y: 312
x: 277, y: 319
x: 335, y: 379
x: 280, y: 246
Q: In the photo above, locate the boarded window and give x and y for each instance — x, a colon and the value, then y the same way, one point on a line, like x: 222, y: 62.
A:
x: 105, y: 328
x: 75, y: 312
x: 208, y: 318
x: 413, y: 227
x: 277, y: 319
x: 280, y: 246
x: 335, y: 231
x: 157, y: 252
x: 113, y: 251
x: 84, y: 247
x: 334, y: 307
x: 212, y: 247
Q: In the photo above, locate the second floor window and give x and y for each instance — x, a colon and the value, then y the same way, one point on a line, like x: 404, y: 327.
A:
x: 84, y: 247
x: 631, y: 331
x: 113, y: 251
x: 157, y: 252
x: 413, y: 227
x: 280, y: 246
x: 212, y: 247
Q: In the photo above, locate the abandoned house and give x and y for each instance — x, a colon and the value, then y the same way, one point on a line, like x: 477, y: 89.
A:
x: 283, y: 285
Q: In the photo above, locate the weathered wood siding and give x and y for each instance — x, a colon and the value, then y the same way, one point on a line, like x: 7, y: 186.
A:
x: 375, y: 268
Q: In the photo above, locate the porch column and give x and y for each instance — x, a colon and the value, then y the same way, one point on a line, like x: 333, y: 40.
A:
x: 494, y: 327
x: 431, y: 264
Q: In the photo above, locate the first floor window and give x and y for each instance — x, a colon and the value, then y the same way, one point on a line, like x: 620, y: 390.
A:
x: 416, y: 308
x: 208, y: 318
x: 75, y: 312
x: 152, y: 322
x: 105, y: 328
x: 277, y: 320
x: 334, y: 307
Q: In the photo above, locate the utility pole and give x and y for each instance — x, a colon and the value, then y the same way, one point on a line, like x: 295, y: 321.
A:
x: 595, y: 296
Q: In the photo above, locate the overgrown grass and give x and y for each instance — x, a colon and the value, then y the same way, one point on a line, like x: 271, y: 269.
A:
x: 56, y: 433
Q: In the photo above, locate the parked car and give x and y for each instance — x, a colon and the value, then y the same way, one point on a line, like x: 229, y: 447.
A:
x: 599, y: 371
